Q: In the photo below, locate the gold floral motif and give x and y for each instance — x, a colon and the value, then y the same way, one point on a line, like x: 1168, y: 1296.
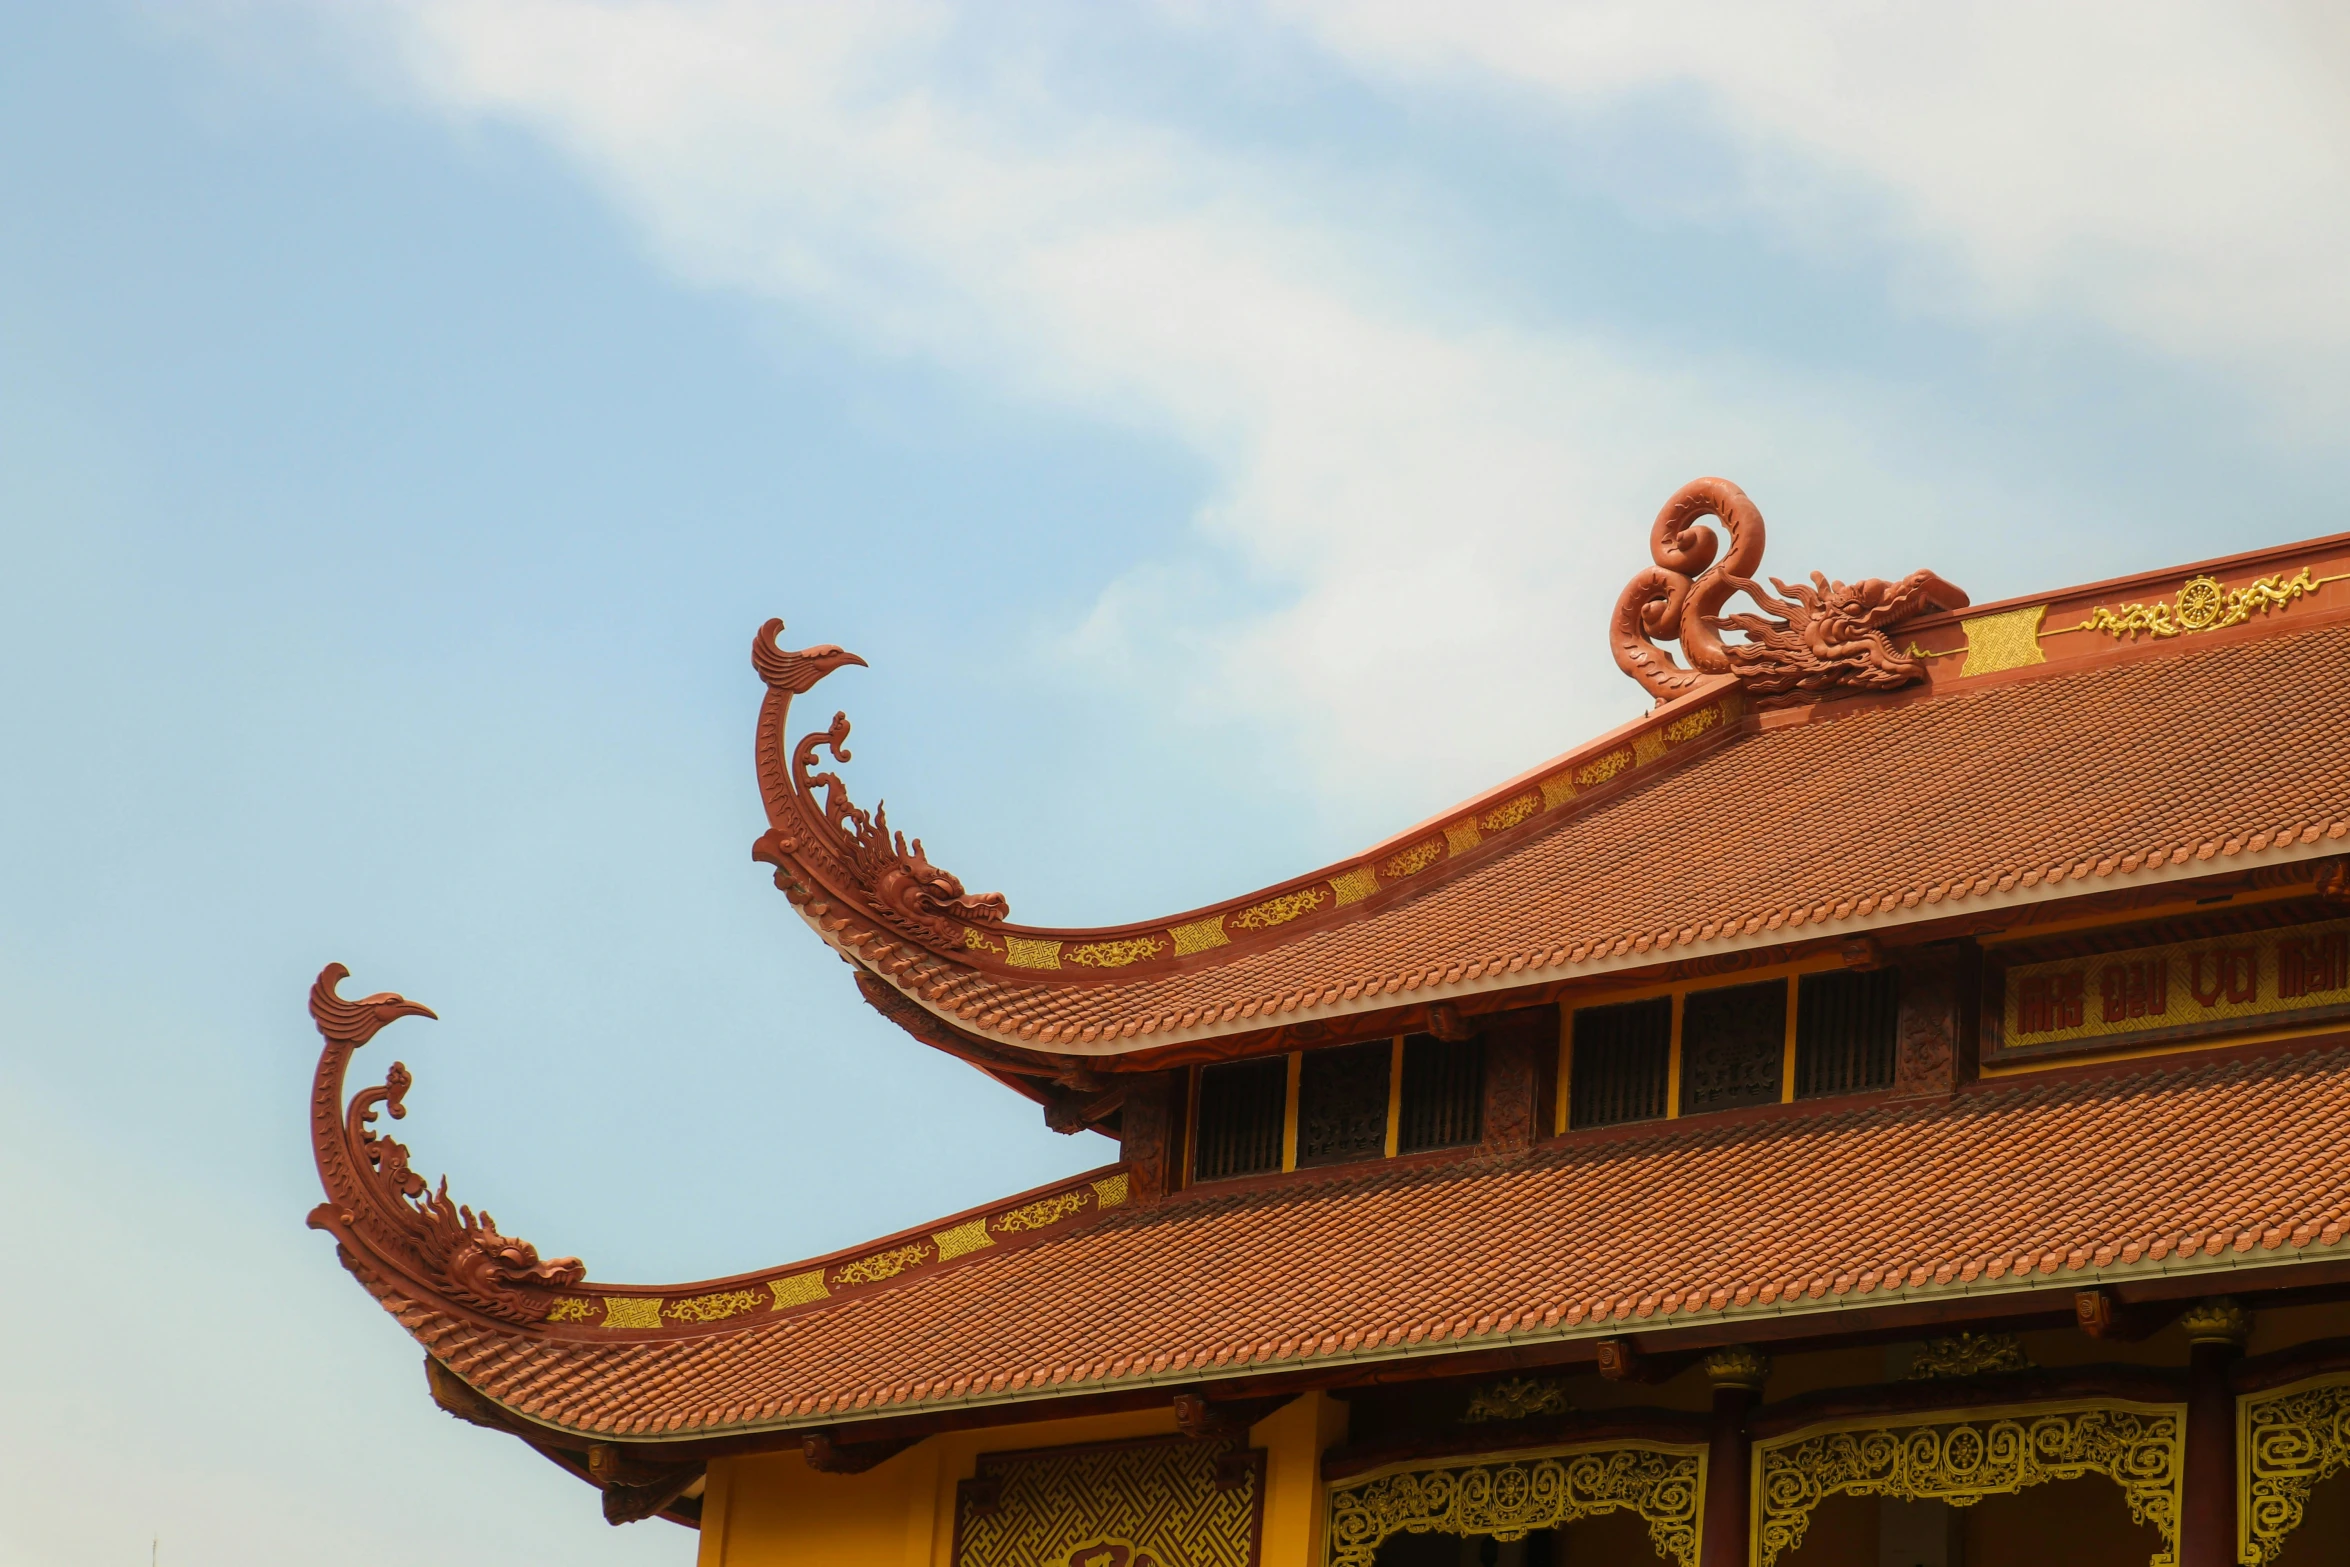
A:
x: 1690, y: 725
x: 976, y: 940
x: 1606, y: 767
x: 1736, y: 1365
x: 1043, y: 1211
x: 2202, y: 604
x: 1517, y: 1398
x: 1110, y: 1190
x: 962, y: 1240
x: 1115, y: 954
x: 1999, y: 1452
x: 882, y: 1265
x: 1969, y: 1355
x: 1353, y: 886
x: 2218, y: 1320
x: 1280, y: 910
x: 712, y: 1308
x: 571, y: 1308
x: 799, y: 1289
x: 1412, y: 861
x: 1511, y: 1498
x: 631, y: 1311
x: 1511, y: 812
x: 2289, y: 1439
x: 1199, y: 936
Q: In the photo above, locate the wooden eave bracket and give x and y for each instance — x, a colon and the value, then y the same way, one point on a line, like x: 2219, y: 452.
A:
x: 2104, y: 1315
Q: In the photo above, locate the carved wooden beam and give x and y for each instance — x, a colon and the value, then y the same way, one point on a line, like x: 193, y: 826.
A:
x: 1444, y: 1441
x: 1622, y: 1360
x: 1204, y: 1419
x: 635, y: 1490
x: 1955, y: 1395
x: 2103, y: 1314
x: 828, y: 1456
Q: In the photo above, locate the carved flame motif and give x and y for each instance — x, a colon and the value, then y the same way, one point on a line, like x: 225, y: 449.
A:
x: 1822, y: 639
x: 813, y: 823
x: 381, y: 1209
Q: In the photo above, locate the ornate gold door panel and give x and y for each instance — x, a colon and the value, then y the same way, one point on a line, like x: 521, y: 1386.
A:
x: 1512, y: 1497
x: 2287, y: 1440
x: 1159, y: 1502
x: 1962, y: 1457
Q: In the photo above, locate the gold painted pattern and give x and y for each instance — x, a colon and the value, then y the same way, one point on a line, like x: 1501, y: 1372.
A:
x: 1353, y: 886
x: 2211, y: 979
x: 571, y: 1308
x: 962, y: 1240
x: 1461, y: 837
x: 2141, y: 1448
x: 1281, y: 910
x: 2288, y: 1440
x: 1600, y: 771
x: 1511, y: 1498
x: 2202, y: 604
x: 976, y: 940
x: 1511, y: 812
x: 712, y: 1308
x: 1412, y: 861
x: 1110, y: 1190
x: 2007, y: 640
x: 1199, y: 936
x: 1557, y: 790
x: 1690, y: 725
x: 1116, y: 954
x: 631, y: 1311
x: 1028, y: 952
x: 799, y: 1289
x: 882, y: 1265
x: 1648, y: 747
x: 1043, y: 1211
x: 1159, y: 1498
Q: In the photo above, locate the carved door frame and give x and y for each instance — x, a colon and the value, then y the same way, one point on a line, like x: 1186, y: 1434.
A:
x: 1511, y: 1494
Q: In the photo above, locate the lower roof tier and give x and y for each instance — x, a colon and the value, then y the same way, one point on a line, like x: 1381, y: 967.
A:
x: 2195, y: 1166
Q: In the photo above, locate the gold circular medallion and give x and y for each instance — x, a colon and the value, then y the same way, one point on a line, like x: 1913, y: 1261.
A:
x: 2200, y: 602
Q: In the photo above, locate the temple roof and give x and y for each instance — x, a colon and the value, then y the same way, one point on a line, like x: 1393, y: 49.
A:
x: 2090, y: 740
x: 2194, y: 1166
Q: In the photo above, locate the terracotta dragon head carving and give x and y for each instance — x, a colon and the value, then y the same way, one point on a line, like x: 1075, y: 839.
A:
x: 814, y: 828
x: 1815, y: 641
x: 380, y: 1209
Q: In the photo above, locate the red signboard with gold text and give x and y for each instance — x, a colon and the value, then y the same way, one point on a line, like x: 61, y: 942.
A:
x: 2242, y: 980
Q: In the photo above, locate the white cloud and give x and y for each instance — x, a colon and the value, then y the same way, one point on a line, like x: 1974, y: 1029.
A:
x: 1432, y: 481
x: 2179, y: 170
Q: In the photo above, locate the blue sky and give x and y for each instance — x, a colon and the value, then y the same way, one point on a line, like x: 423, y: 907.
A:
x: 1222, y: 429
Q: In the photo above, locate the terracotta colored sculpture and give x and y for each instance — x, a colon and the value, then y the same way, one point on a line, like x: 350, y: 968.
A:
x: 1828, y: 637
x: 380, y: 1209
x: 852, y: 852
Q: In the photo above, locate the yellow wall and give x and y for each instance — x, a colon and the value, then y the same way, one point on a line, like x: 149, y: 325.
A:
x: 772, y: 1510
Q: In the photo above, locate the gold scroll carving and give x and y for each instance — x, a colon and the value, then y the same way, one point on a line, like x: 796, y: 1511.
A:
x: 1518, y: 1398
x: 1993, y: 1452
x: 2287, y: 1440
x: 2203, y: 604
x: 1172, y: 1501
x: 1510, y: 1498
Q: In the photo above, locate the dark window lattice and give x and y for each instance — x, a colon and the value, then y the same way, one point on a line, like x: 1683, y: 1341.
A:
x: 1342, y: 1103
x: 1844, y: 1031
x: 1443, y: 1094
x: 1623, y: 1058
x: 1733, y: 1043
x: 1240, y: 1112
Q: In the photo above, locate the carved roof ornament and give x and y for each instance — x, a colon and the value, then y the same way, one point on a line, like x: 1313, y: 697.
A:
x: 380, y: 1209
x: 1969, y: 1355
x: 814, y: 829
x: 2219, y: 1320
x: 1814, y: 642
x: 1518, y: 1398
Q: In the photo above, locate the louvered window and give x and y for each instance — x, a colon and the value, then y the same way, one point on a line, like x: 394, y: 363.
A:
x: 1443, y: 1094
x: 1733, y: 1043
x: 1240, y: 1112
x: 1844, y: 1030
x: 1342, y: 1103
x: 1623, y: 1058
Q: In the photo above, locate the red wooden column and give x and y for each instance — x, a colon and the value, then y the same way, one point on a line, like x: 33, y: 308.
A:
x: 1737, y: 1374
x: 2216, y: 1331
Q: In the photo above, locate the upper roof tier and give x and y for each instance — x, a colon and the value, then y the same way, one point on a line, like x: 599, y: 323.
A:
x: 1874, y: 755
